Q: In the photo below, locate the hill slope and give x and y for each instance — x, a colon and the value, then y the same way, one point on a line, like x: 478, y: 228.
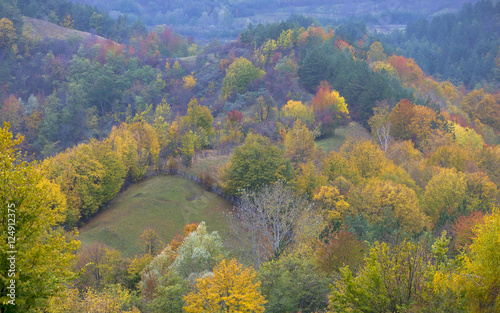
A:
x: 165, y: 203
x: 41, y: 29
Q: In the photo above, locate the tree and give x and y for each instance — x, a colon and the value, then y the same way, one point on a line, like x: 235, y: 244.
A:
x: 376, y: 53
x: 231, y: 288
x: 329, y: 107
x: 294, y: 284
x: 400, y: 118
x: 476, y: 279
x: 256, y: 163
x: 150, y: 242
x: 366, y: 157
x: 265, y: 220
x: 11, y: 112
x: 296, y: 110
x: 189, y: 82
x: 390, y: 281
x: 31, y: 209
x: 7, y: 33
x: 340, y: 248
x: 68, y: 22
x: 199, y: 253
x: 239, y: 75
x: 299, y: 144
x: 379, y: 199
x: 99, y: 264
x: 444, y: 194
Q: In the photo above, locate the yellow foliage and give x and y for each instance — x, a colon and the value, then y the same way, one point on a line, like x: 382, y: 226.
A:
x: 402, y: 202
x: 376, y: 53
x: 189, y: 82
x: 299, y: 144
x: 7, y: 33
x: 231, y: 288
x: 331, y: 202
x: 297, y: 110
x: 286, y: 39
x: 379, y: 66
x: 68, y: 22
x: 467, y: 138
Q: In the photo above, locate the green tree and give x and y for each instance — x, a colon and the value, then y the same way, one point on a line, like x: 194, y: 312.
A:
x: 238, y: 75
x: 390, y: 281
x: 294, y: 284
x: 257, y: 163
x: 31, y: 209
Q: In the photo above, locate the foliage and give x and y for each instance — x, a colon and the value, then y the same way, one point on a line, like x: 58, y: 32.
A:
x: 339, y: 248
x: 294, y: 283
x: 230, y: 288
x: 8, y: 34
x: 257, y: 163
x: 89, y: 175
x: 390, y: 281
x: 476, y: 278
x: 328, y: 107
x: 296, y: 110
x: 299, y: 144
x: 400, y: 202
x: 32, y: 208
x: 100, y: 265
x: 200, y: 252
x: 238, y: 75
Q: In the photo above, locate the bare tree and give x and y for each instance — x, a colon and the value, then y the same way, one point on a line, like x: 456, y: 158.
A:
x: 265, y: 221
x: 381, y: 129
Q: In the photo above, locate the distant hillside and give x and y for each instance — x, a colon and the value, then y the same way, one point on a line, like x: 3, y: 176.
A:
x: 42, y: 29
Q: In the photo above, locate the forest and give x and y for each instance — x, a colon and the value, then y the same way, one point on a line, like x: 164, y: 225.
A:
x: 310, y: 164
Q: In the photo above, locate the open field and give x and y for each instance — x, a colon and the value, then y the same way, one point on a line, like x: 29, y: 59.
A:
x: 341, y: 134
x: 165, y: 203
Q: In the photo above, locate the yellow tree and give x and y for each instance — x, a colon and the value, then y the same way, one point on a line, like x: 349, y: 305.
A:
x: 298, y: 111
x: 366, y: 157
x: 7, y: 33
x: 35, y: 255
x: 376, y: 53
x: 299, y: 144
x: 231, y: 288
x: 189, y: 82
x: 476, y: 281
x: 68, y: 22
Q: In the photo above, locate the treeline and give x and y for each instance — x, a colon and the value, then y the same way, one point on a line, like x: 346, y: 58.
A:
x: 461, y: 47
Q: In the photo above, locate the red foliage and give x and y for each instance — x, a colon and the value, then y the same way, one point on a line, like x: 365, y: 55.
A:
x: 234, y: 116
x: 406, y: 68
x: 463, y: 229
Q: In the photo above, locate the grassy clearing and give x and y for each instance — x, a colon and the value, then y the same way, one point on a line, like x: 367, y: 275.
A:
x: 165, y: 203
x: 210, y: 164
x: 341, y: 134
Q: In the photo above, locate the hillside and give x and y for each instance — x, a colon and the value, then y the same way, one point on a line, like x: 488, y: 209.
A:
x: 165, y: 203
x: 41, y: 29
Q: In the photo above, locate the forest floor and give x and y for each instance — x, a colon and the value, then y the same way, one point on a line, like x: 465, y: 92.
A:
x: 165, y: 203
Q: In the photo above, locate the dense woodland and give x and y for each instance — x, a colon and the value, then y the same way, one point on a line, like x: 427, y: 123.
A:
x: 402, y: 217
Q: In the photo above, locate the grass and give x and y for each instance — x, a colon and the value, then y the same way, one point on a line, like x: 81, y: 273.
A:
x: 341, y: 134
x: 210, y: 164
x: 165, y: 203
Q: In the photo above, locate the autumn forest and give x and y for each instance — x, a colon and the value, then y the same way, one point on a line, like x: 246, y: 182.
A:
x: 232, y: 156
